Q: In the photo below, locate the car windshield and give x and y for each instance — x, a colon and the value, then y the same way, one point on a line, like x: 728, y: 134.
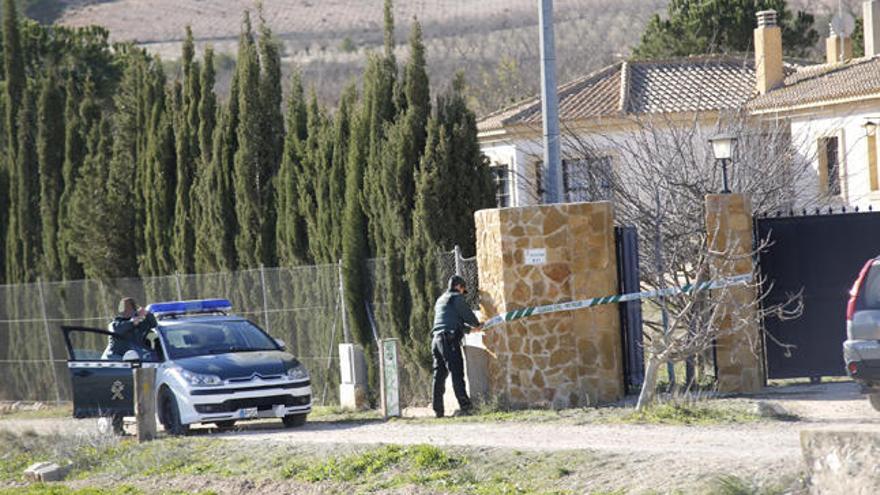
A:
x: 215, y: 337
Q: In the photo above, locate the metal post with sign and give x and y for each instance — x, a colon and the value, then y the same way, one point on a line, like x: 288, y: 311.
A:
x: 389, y: 378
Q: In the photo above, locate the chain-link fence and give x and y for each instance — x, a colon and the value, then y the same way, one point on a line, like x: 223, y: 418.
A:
x: 300, y: 305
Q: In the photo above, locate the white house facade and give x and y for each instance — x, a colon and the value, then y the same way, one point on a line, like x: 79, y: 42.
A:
x: 831, y: 111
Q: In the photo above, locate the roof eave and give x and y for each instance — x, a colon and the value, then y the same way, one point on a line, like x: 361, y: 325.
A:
x: 814, y: 104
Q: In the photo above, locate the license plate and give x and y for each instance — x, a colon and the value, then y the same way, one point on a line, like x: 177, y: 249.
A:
x: 250, y: 412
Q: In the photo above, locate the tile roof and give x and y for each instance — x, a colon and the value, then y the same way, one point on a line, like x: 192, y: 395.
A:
x: 642, y: 87
x: 824, y: 83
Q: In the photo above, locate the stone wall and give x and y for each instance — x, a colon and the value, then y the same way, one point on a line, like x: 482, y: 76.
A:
x: 564, y: 359
x: 738, y: 356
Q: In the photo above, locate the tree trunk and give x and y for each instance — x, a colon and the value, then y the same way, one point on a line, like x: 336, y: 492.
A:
x: 649, y: 385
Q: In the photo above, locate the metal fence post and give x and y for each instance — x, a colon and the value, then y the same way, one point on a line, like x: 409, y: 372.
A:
x: 456, y: 252
x: 346, y: 332
x: 265, y: 299
x: 177, y: 282
x: 49, y: 340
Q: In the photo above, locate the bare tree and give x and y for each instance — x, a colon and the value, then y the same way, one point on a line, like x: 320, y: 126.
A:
x: 657, y: 171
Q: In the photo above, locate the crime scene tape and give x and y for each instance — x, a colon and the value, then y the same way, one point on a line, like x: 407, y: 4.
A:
x: 518, y: 314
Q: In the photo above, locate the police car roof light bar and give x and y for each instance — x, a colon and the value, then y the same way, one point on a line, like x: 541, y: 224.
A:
x: 171, y: 308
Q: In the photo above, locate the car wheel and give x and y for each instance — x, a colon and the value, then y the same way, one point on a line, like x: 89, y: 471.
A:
x: 874, y: 399
x: 294, y: 420
x: 225, y: 425
x: 170, y: 414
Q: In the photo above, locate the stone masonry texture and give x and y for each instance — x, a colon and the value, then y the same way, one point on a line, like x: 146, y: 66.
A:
x: 558, y: 360
x: 738, y: 355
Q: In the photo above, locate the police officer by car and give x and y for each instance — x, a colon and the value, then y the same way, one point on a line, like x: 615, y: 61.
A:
x: 129, y: 329
x: 452, y: 319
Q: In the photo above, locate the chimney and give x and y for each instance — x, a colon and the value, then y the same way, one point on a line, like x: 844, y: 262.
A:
x: 768, y: 53
x: 838, y: 48
x: 871, y: 19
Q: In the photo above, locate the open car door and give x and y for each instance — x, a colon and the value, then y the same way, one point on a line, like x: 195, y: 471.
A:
x: 102, y: 386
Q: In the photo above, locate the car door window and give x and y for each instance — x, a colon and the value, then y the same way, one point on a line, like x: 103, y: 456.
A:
x: 90, y: 346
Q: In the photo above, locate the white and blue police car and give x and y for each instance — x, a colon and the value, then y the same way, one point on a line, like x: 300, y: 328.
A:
x: 211, y: 367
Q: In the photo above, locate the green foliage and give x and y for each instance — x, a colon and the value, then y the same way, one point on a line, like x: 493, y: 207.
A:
x: 858, y: 38
x: 188, y: 149
x: 23, y: 240
x: 271, y: 133
x: 248, y: 240
x: 291, y: 228
x: 689, y: 414
x: 158, y: 192
x: 50, y: 132
x: 697, y: 27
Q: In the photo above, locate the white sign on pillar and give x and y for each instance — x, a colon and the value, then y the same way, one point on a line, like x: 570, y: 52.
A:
x: 535, y: 256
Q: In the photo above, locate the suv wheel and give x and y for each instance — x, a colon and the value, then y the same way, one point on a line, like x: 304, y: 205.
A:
x: 294, y: 420
x: 169, y: 413
x: 874, y: 399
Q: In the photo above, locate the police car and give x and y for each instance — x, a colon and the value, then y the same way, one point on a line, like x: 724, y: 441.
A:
x: 211, y: 367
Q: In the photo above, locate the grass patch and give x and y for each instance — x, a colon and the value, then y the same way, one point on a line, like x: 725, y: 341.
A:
x: 63, y: 410
x: 55, y: 489
x: 689, y: 414
x: 734, y: 485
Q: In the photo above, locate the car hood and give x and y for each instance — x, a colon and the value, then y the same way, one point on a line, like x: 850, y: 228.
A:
x: 240, y: 364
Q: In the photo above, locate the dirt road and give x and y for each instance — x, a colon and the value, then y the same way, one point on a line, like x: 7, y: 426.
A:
x: 651, y: 455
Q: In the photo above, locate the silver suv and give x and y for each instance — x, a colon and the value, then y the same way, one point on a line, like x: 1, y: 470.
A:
x: 861, y: 350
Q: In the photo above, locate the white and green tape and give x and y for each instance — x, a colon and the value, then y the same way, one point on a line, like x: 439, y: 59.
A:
x: 518, y: 314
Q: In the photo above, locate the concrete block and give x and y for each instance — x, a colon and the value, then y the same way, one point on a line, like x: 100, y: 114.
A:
x: 46, y: 471
x: 842, y: 462
x: 353, y: 396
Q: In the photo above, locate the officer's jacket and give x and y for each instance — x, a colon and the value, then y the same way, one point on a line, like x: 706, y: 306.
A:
x: 451, y: 313
x: 126, y: 335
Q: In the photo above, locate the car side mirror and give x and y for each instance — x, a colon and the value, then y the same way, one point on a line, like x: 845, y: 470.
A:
x: 131, y: 356
x: 281, y: 344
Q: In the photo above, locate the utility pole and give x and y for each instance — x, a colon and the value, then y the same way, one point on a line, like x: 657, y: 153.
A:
x: 549, y: 105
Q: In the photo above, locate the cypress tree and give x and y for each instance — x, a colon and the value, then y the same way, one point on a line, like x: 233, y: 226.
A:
x: 292, y: 240
x: 272, y: 133
x: 207, y: 107
x: 313, y: 182
x: 159, y: 192
x: 215, y: 246
x: 249, y: 245
x: 355, y: 243
x: 50, y: 132
x: 341, y: 138
x: 15, y: 81
x: 24, y: 239
x: 215, y: 249
x: 187, y: 156
x: 74, y: 153
x: 91, y: 213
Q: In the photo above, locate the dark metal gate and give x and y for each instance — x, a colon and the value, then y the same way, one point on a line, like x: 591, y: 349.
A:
x: 821, y: 255
x: 630, y: 312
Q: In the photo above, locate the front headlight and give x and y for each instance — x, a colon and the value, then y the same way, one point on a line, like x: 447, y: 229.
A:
x: 298, y: 372
x: 198, y: 379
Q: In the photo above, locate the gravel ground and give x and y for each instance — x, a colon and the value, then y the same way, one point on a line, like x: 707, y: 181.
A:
x: 649, y: 455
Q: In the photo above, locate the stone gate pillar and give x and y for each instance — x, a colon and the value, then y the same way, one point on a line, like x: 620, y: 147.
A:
x: 738, y: 356
x: 536, y: 255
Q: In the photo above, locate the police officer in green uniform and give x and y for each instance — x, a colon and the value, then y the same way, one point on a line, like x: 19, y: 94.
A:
x: 128, y: 330
x: 452, y: 319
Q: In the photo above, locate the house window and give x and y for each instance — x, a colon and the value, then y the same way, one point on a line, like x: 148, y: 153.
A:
x: 501, y: 174
x: 872, y: 160
x: 587, y: 179
x: 829, y: 165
